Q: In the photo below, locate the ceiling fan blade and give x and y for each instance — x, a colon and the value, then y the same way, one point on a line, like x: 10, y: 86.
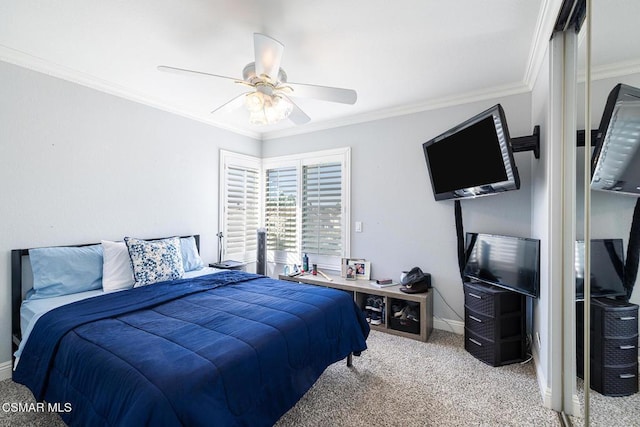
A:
x: 233, y: 104
x: 268, y: 52
x: 175, y: 70
x: 325, y: 93
x: 297, y: 116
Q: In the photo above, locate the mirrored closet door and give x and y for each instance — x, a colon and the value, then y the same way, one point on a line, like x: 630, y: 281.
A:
x: 615, y: 58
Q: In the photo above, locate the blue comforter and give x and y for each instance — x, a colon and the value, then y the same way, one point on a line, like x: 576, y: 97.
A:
x: 225, y: 349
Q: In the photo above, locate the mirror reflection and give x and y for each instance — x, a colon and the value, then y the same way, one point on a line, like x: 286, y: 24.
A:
x: 615, y: 187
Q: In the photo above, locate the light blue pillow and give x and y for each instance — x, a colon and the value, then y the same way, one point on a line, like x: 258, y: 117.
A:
x: 190, y: 257
x: 155, y: 261
x: 65, y: 270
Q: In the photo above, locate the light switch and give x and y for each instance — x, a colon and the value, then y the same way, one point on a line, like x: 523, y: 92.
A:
x: 358, y: 226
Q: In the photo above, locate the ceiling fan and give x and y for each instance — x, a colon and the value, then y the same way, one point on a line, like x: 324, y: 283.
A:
x: 269, y: 100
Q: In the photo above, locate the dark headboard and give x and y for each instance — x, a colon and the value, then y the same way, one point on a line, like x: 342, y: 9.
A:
x: 16, y: 286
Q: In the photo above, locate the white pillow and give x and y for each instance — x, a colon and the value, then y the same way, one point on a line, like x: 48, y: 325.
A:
x: 190, y: 257
x: 116, y: 269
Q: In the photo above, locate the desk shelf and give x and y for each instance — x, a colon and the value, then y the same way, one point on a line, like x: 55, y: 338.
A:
x: 359, y: 289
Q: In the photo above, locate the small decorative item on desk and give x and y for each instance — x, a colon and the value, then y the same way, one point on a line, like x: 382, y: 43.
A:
x: 358, y: 268
x: 293, y: 272
x: 351, y: 272
x: 383, y: 283
x: 346, y: 262
x: 314, y: 269
x: 363, y: 270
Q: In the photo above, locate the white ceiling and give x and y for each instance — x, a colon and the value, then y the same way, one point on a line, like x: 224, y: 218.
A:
x: 401, y: 57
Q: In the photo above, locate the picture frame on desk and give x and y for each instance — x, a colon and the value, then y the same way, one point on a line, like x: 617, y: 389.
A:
x: 363, y: 270
x: 345, y: 264
x: 350, y: 272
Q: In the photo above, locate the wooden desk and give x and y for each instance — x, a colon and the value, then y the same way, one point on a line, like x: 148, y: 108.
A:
x: 360, y: 289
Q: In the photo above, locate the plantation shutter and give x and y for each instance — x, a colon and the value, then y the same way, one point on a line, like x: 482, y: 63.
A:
x: 281, y: 189
x: 322, y: 209
x: 240, y: 205
x: 242, y: 210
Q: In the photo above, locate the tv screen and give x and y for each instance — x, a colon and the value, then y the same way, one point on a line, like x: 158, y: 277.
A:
x: 615, y: 164
x: 607, y: 268
x: 509, y: 262
x: 472, y: 159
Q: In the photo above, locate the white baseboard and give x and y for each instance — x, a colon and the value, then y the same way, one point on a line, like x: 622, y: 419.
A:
x: 545, y: 392
x: 455, y: 326
x: 5, y: 370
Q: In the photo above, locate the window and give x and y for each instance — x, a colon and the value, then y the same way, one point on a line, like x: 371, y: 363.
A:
x: 240, y: 203
x: 322, y: 209
x: 306, y: 207
x: 280, y: 206
x: 302, y: 201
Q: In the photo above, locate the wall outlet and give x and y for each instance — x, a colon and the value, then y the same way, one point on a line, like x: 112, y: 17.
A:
x: 358, y: 226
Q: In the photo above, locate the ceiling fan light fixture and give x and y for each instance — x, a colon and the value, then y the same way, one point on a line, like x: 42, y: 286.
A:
x: 267, y: 109
x: 269, y: 101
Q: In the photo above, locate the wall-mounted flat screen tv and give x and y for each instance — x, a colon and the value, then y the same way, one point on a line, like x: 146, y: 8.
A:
x: 615, y: 165
x: 607, y: 268
x: 473, y: 159
x: 509, y: 262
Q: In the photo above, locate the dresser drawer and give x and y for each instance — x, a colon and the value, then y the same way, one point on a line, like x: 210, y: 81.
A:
x: 493, y: 328
x: 494, y: 353
x: 616, y: 351
x: 620, y: 323
x: 616, y: 380
x: 480, y: 302
x: 491, y: 300
x: 479, y: 324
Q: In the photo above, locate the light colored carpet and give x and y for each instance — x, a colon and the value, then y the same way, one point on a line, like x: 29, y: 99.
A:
x: 399, y: 382
x: 607, y: 411
x: 402, y: 382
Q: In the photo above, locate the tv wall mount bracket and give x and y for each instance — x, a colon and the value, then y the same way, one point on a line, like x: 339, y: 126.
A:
x: 528, y: 143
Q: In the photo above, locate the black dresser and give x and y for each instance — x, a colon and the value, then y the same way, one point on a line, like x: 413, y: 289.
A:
x: 494, y: 324
x: 614, y: 346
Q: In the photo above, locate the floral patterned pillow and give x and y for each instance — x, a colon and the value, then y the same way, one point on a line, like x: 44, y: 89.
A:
x: 155, y: 261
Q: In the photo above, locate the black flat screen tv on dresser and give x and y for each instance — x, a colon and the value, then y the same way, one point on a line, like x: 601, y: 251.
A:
x: 607, y: 268
x: 473, y: 159
x: 509, y: 262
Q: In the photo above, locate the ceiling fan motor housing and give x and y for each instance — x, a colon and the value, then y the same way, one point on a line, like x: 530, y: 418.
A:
x: 249, y: 75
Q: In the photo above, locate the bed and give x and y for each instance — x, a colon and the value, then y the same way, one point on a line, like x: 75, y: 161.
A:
x: 206, y: 348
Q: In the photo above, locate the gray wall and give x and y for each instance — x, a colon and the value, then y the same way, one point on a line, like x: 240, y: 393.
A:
x: 403, y: 226
x: 78, y: 165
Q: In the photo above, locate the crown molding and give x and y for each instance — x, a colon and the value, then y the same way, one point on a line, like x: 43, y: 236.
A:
x: 544, y: 29
x: 607, y: 71
x: 43, y: 66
